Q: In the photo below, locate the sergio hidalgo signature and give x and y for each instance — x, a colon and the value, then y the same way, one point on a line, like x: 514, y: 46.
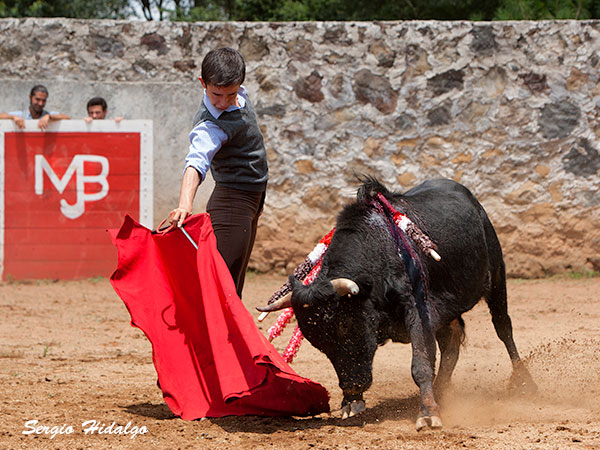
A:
x: 88, y: 427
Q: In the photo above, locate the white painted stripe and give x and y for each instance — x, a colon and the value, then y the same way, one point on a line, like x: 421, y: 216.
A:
x: 146, y: 175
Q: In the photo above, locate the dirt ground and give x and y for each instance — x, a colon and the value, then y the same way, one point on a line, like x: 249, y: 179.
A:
x: 68, y: 356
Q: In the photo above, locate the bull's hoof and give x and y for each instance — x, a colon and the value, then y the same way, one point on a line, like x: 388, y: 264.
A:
x: 353, y: 408
x: 433, y: 422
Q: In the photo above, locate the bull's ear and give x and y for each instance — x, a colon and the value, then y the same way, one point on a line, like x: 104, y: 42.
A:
x: 302, y: 296
x: 365, y: 282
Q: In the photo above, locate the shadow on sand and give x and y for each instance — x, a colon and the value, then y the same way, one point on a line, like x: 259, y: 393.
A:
x: 388, y: 409
x: 158, y: 412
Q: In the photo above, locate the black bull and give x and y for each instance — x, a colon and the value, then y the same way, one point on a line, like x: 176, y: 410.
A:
x: 372, y: 298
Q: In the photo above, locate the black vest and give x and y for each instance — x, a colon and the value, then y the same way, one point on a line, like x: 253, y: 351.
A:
x: 241, y: 163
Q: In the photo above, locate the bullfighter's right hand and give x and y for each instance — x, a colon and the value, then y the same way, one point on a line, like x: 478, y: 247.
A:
x: 178, y: 215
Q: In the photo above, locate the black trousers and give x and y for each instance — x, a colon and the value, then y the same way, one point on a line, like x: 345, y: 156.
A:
x: 234, y: 215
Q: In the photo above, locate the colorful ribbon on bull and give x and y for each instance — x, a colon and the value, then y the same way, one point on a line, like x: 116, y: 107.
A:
x: 408, y: 226
x: 305, y: 272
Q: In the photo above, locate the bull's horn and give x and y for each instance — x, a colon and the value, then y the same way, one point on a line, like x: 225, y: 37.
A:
x: 344, y: 286
x: 282, y: 303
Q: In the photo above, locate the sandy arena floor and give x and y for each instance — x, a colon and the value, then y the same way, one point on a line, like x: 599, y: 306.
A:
x: 68, y: 355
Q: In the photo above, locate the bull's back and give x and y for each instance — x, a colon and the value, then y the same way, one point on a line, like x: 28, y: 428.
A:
x: 443, y: 205
x: 459, y: 226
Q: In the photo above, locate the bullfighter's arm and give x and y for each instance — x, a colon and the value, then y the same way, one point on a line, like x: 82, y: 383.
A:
x: 189, y: 186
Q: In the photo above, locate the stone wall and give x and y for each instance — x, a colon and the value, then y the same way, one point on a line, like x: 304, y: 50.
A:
x: 510, y: 109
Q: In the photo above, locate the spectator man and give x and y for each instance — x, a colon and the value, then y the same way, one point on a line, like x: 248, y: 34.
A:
x: 36, y: 111
x: 97, y: 110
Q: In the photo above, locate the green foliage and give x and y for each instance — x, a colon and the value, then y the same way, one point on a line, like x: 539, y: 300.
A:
x: 81, y: 9
x: 292, y: 10
x: 306, y: 10
x: 582, y: 274
x: 547, y: 9
x: 202, y: 11
x: 320, y: 10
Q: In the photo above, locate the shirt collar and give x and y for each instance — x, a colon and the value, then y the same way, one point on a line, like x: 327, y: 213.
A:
x: 242, y: 94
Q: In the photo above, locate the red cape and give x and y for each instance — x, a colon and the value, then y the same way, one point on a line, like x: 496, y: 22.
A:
x: 211, y: 359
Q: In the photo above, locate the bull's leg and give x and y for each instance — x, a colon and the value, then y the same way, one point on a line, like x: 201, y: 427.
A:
x: 423, y: 372
x: 449, y: 339
x: 497, y: 304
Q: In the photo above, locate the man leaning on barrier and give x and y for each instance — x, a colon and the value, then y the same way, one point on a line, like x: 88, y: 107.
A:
x: 97, y: 109
x: 37, y: 102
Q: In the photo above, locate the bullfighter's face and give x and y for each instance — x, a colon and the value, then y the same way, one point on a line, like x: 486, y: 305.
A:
x: 221, y: 97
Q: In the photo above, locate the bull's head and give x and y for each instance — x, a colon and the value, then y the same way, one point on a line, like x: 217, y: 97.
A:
x: 335, y: 316
x: 343, y: 286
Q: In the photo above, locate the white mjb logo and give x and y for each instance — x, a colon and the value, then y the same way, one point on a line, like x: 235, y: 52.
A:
x: 75, y: 168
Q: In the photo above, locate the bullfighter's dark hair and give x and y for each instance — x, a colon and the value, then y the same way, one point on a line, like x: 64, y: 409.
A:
x: 38, y: 88
x: 223, y: 67
x: 97, y: 101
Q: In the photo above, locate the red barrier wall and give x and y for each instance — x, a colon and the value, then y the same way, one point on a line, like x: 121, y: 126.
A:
x: 62, y: 189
